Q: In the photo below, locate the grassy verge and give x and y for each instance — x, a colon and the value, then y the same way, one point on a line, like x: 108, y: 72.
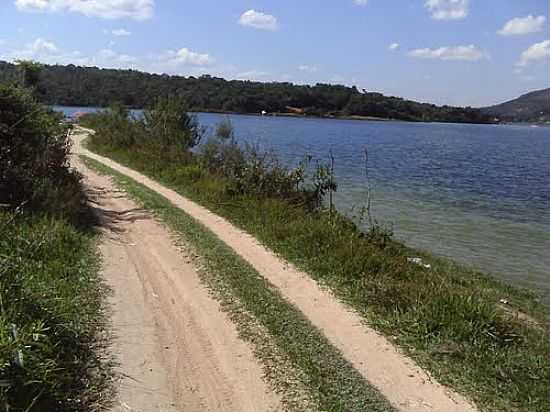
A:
x: 331, y: 382
x: 447, y: 318
x: 50, y: 317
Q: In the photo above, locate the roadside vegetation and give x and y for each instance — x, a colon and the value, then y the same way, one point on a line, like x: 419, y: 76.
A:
x: 483, y: 338
x: 50, y: 295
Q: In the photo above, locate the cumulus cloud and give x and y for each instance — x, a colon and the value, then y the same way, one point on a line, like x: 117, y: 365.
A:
x: 174, y: 60
x: 182, y: 61
x: 107, y: 9
x: 393, y: 46
x: 448, y: 9
x: 523, y: 25
x: 188, y: 57
x: 113, y: 59
x: 361, y: 2
x: 537, y: 52
x: 36, y: 49
x: 44, y: 51
x: 48, y: 52
x: 121, y: 33
x: 307, y: 68
x: 253, y: 75
x: 259, y: 20
x: 467, y: 53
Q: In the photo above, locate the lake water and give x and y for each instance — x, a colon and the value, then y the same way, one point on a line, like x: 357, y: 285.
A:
x: 479, y: 194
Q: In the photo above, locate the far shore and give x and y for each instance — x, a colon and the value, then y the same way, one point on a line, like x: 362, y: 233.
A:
x: 297, y: 115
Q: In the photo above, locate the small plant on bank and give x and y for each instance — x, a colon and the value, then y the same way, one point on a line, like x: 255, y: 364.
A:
x: 225, y: 130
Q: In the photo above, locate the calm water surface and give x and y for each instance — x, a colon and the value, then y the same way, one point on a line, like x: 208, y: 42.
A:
x: 477, y: 194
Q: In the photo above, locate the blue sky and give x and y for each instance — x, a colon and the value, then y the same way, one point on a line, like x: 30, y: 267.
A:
x: 460, y: 52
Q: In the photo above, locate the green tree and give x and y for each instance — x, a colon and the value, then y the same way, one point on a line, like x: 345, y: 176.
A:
x: 30, y: 73
x: 172, y: 125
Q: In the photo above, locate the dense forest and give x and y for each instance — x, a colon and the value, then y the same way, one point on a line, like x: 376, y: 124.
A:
x: 532, y: 107
x: 90, y: 86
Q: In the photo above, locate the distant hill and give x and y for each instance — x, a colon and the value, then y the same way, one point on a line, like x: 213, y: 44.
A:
x: 532, y: 107
x: 90, y: 86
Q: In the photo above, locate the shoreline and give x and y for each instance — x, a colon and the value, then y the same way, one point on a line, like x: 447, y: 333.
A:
x: 290, y: 115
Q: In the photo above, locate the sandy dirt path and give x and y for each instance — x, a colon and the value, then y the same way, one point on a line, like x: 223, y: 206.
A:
x: 175, y: 349
x: 399, y: 379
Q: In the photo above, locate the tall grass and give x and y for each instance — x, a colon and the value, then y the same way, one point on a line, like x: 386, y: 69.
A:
x: 50, y: 316
x: 448, y: 317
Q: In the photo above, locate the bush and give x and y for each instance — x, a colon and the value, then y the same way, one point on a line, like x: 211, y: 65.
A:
x: 34, y: 155
x: 169, y: 123
x: 114, y: 127
x: 224, y: 130
x: 167, y: 135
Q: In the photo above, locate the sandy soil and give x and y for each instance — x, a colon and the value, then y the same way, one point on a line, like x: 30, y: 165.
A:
x: 400, y: 380
x: 175, y: 349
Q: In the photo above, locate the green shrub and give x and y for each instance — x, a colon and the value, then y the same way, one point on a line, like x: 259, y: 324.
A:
x: 225, y: 130
x: 34, y: 154
x: 167, y: 135
x: 171, y: 126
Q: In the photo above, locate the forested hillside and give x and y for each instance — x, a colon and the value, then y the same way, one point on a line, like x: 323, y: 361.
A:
x: 532, y: 107
x: 91, y: 86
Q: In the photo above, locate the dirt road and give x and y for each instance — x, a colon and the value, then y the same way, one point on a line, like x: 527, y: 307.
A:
x: 176, y: 350
x: 398, y: 378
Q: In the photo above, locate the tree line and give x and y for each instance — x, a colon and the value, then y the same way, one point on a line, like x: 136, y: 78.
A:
x: 91, y: 86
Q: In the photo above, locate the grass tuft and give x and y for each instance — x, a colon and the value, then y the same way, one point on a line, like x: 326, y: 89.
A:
x: 51, y: 317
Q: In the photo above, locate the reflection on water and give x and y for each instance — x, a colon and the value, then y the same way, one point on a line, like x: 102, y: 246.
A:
x: 477, y: 194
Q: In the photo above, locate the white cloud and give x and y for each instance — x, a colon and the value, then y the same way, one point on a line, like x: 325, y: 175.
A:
x: 307, y: 68
x: 36, y: 49
x: 121, y: 32
x: 448, y: 9
x: 393, y: 46
x: 523, y: 25
x: 45, y: 52
x: 253, y: 75
x: 188, y: 57
x: 467, y: 53
x: 173, y: 60
x: 107, y: 9
x: 537, y: 52
x: 259, y: 20
x: 110, y: 58
x: 361, y: 2
x: 182, y: 61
